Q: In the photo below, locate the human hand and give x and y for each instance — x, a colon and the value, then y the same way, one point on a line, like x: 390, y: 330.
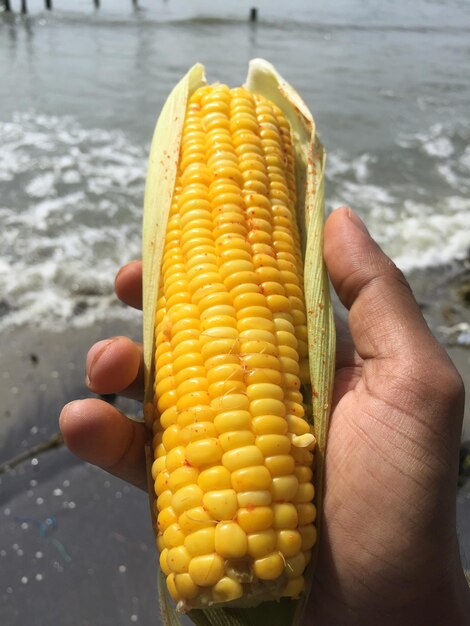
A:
x: 388, y: 547
x: 388, y: 550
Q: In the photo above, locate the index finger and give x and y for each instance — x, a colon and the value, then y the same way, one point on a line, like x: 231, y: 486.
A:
x: 128, y: 284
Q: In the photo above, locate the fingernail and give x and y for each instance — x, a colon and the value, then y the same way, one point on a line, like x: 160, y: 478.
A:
x: 95, y: 353
x: 356, y: 220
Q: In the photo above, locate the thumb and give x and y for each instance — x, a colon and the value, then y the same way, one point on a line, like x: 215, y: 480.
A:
x: 404, y: 365
x: 384, y: 318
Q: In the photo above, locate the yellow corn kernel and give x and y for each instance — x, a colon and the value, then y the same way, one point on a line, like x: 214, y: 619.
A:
x: 204, y: 452
x: 305, y: 493
x: 159, y: 450
x: 267, y: 406
x: 201, y: 541
x: 297, y: 425
x: 164, y: 500
x: 171, y: 437
x: 271, y: 445
x: 269, y: 567
x: 306, y: 441
x: 250, y: 499
x: 165, y: 518
x: 245, y: 456
x: 178, y: 559
x: 214, y: 478
x: 181, y: 477
x: 294, y: 587
x: 229, y: 421
x: 161, y: 483
x: 283, y: 488
x: 304, y: 474
x: 195, y: 519
x: 306, y: 513
x: 261, y: 543
x: 309, y: 536
x: 160, y: 542
x: 269, y: 424
x: 173, y: 536
x: 198, y: 430
x: 197, y: 413
x: 159, y: 465
x: 227, y: 589
x: 206, y: 570
x: 185, y: 586
x: 256, y: 518
x: 186, y: 498
x: 230, y: 540
x: 232, y: 402
x: 280, y: 465
x: 170, y: 583
x: 236, y: 439
x: 163, y: 562
x: 284, y: 516
x: 221, y: 504
x: 302, y: 456
x: 295, y: 565
x: 251, y: 478
x: 289, y: 542
x: 261, y: 391
x: 175, y: 458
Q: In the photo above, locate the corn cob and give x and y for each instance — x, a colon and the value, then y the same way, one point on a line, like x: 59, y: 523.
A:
x: 230, y: 376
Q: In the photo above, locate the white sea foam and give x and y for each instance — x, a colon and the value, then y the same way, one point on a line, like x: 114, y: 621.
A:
x: 41, y: 186
x: 421, y: 234
x: 425, y: 222
x: 440, y: 147
x: 71, y: 215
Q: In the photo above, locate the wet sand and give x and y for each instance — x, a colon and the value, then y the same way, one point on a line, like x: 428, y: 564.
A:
x: 76, y: 545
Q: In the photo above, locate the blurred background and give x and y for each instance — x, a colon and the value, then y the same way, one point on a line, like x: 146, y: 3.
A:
x: 80, y: 91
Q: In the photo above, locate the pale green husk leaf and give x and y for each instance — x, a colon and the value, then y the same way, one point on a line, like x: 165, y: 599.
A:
x: 310, y: 162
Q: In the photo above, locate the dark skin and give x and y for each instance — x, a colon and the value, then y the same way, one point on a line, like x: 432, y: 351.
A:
x: 388, y: 549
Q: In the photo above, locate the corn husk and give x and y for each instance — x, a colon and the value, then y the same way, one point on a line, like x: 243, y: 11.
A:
x: 262, y: 79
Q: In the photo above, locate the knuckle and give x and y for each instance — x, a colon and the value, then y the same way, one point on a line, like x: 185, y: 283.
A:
x: 433, y: 377
x: 450, y: 383
x: 394, y: 273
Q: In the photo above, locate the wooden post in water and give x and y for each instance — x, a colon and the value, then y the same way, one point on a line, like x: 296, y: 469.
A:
x: 24, y: 8
x: 253, y: 14
x: 96, y: 3
x: 48, y: 4
x: 6, y: 4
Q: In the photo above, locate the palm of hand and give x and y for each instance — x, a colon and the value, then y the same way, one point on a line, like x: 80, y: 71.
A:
x: 389, y: 484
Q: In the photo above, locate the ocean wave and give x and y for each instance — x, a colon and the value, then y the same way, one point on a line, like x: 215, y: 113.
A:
x: 71, y: 215
x: 420, y: 213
